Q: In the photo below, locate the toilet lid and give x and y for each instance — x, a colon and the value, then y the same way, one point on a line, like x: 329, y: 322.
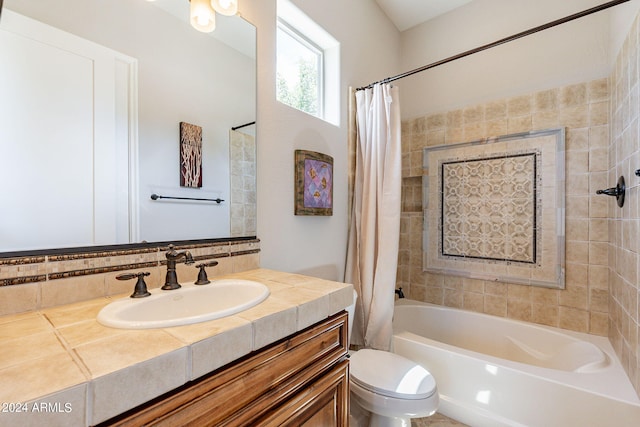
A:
x: 390, y: 375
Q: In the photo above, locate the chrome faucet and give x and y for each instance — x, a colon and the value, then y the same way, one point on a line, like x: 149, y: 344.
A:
x: 171, y: 281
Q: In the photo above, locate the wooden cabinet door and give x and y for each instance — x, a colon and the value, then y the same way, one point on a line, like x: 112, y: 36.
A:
x: 324, y: 403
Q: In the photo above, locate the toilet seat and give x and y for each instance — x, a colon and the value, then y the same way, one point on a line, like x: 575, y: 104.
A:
x: 391, y: 375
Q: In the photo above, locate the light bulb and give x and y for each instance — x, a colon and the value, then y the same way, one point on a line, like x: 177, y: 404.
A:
x: 203, y: 17
x: 225, y: 7
x: 203, y: 20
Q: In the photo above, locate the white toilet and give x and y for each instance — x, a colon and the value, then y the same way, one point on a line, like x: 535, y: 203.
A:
x: 392, y: 388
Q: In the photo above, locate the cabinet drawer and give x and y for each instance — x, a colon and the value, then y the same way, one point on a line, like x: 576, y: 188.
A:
x: 245, y: 390
x: 323, y: 403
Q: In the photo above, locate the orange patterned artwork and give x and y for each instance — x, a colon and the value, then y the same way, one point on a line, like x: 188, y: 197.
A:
x: 190, y: 155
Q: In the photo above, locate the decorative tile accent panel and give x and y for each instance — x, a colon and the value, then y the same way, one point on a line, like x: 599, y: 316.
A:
x: 488, y: 208
x: 494, y: 209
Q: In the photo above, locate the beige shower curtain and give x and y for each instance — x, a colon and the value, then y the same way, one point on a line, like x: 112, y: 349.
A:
x: 374, y: 224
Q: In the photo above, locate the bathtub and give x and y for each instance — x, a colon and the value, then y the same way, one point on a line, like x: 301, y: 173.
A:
x: 493, y: 371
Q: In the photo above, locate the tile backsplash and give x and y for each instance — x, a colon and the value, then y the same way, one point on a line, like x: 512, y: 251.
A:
x: 30, y: 283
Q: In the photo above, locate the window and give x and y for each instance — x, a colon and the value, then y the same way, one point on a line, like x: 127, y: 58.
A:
x: 299, y: 71
x: 308, y: 62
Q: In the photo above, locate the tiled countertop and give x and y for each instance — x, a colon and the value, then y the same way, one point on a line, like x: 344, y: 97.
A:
x: 59, y: 366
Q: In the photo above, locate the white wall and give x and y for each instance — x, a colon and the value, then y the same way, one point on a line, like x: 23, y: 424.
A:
x: 369, y: 51
x: 570, y: 53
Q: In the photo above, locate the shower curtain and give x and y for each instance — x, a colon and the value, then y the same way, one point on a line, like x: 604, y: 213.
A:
x: 374, y: 229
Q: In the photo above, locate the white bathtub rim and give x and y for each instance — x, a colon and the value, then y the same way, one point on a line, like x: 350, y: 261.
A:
x: 599, y: 341
x: 611, y: 382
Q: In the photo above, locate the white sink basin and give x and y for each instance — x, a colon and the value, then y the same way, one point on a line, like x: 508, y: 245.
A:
x: 184, y: 306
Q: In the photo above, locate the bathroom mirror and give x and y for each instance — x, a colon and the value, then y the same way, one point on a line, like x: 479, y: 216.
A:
x: 62, y: 191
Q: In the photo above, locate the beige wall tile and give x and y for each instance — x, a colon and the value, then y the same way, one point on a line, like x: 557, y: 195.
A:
x: 519, y: 106
x: 453, y: 298
x: 545, y: 314
x: 546, y: 100
x: 73, y: 289
x: 519, y: 309
x: 574, y: 319
x: 599, y: 300
x: 474, y: 130
x: 598, y: 90
x: 436, y: 121
x: 495, y: 305
x: 599, y: 113
x: 575, y: 117
x: 599, y: 323
x: 496, y: 110
x: 545, y: 119
x: 473, y: 114
x: 575, y: 296
x: 574, y: 95
x: 545, y: 296
x: 473, y: 301
x: 245, y: 262
x: 19, y: 298
x: 577, y: 139
x: 598, y: 159
x: 434, y: 137
x: 454, y: 119
x: 454, y: 135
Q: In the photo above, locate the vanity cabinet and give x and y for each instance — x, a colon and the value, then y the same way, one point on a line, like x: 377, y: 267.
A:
x: 302, y: 380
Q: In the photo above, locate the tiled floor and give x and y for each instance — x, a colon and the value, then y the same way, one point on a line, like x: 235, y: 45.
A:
x: 436, y: 420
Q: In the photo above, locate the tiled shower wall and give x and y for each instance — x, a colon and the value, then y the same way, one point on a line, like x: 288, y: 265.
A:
x: 624, y: 225
x: 243, y: 184
x: 583, y: 109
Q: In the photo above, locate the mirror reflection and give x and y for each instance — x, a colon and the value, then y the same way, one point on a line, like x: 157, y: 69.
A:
x: 90, y: 123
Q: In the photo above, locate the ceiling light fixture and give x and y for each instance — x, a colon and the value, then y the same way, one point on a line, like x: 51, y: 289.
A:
x: 202, y: 16
x: 202, y: 13
x: 225, y: 7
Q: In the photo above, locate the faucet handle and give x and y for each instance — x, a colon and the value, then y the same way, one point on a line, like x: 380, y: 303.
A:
x: 202, y: 275
x: 140, y: 290
x: 208, y: 264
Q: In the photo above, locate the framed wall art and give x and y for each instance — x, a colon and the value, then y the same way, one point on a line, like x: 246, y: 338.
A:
x: 313, y: 183
x: 190, y: 155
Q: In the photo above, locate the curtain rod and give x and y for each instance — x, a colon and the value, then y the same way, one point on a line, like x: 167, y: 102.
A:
x: 244, y: 125
x: 499, y: 42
